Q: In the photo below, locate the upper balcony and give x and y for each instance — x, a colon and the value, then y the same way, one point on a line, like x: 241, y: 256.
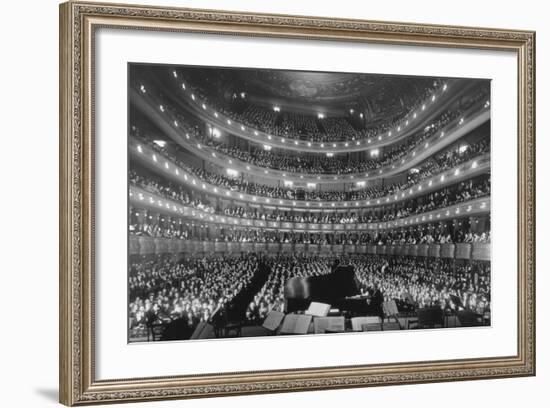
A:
x: 437, y: 101
x: 172, y: 127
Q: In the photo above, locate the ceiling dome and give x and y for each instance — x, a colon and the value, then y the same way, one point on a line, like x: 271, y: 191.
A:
x: 307, y: 91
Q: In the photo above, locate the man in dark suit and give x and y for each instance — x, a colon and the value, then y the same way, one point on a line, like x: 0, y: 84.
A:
x: 377, y: 300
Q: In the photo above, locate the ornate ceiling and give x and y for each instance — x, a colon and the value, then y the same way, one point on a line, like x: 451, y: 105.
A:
x: 302, y: 90
x: 330, y: 88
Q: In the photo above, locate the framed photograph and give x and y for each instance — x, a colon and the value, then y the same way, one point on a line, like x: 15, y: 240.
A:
x: 258, y: 203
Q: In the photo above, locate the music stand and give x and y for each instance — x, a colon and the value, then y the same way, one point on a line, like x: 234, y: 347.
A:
x: 390, y: 310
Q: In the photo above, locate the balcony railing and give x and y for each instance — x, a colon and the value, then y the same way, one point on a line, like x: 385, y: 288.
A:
x: 165, y: 166
x: 433, y: 104
x: 141, y: 245
x: 144, y: 199
x: 450, y: 133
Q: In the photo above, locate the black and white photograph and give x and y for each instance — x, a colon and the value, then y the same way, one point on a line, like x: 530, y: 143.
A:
x: 267, y: 202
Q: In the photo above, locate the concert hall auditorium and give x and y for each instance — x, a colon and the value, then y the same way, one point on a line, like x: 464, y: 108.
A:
x: 266, y: 202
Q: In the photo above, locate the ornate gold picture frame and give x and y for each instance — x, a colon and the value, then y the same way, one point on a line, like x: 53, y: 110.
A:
x: 78, y: 24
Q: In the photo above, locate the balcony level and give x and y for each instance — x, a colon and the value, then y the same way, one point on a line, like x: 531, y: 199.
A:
x: 436, y: 103
x: 140, y: 245
x: 460, y: 127
x: 156, y: 161
x: 142, y: 198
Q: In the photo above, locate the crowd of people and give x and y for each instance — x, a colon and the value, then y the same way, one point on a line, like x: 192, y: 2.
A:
x: 156, y: 229
x: 271, y: 295
x: 353, y: 238
x: 300, y: 217
x: 291, y: 237
x: 161, y: 289
x: 428, y: 282
x: 296, y: 163
x: 425, y: 283
x: 461, y: 192
x: 194, y: 287
x: 320, y: 163
x: 169, y: 190
x: 444, y: 161
x: 440, y: 234
x: 294, y: 124
x: 151, y: 224
x: 309, y: 127
x: 453, y: 194
x: 437, y: 163
x: 298, y: 126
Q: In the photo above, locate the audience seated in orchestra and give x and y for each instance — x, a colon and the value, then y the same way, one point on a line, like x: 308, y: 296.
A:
x: 161, y: 289
x: 190, y: 289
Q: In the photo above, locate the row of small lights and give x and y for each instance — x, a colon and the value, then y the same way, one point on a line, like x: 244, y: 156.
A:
x: 299, y: 224
x: 373, y: 153
x: 319, y: 115
x: 241, y: 196
x: 235, y: 221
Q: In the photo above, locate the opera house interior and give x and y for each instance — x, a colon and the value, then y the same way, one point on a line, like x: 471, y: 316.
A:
x: 271, y: 202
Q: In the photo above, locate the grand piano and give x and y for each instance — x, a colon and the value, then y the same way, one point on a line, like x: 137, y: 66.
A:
x: 338, y: 289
